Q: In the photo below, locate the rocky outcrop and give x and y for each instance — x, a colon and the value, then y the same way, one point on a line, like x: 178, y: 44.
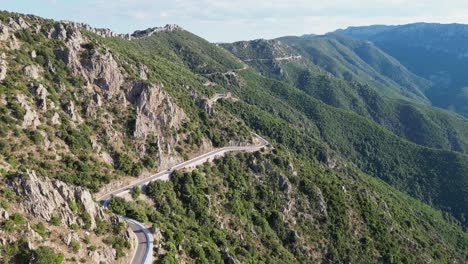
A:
x: 103, y: 71
x: 143, y: 71
x: 95, y: 66
x: 17, y: 23
x: 70, y: 110
x: 31, y: 71
x: 3, y: 67
x: 7, y: 37
x: 30, y: 119
x: 41, y: 96
x: 44, y: 198
x: 155, y: 111
x: 322, y: 205
x: 150, y: 31
x: 56, y: 119
x: 4, y: 32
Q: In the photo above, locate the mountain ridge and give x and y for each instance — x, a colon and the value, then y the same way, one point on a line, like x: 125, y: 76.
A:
x: 102, y: 111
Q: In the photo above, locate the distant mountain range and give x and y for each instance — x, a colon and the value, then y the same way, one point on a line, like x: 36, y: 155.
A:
x: 437, y: 52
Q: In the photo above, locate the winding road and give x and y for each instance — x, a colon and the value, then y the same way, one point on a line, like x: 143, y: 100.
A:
x: 144, y: 250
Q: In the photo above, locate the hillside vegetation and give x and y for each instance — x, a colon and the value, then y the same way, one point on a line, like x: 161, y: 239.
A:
x: 436, y: 52
x: 88, y: 110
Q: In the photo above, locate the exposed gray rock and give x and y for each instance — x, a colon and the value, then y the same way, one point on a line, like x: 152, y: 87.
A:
x: 44, y: 198
x: 97, y: 99
x: 102, y: 256
x: 51, y: 67
x: 4, y: 214
x: 56, y: 119
x: 104, y: 71
x: 4, y: 32
x: 70, y: 110
x: 3, y: 99
x: 97, y: 67
x: 33, y: 54
x: 58, y: 31
x: 41, y: 94
x: 156, y: 112
x: 17, y: 23
x: 3, y: 67
x: 143, y: 71
x: 70, y: 237
x: 30, y: 119
x: 322, y: 205
x: 150, y: 31
x: 31, y: 71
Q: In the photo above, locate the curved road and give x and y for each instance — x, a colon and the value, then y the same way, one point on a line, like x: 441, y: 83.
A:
x: 144, y: 251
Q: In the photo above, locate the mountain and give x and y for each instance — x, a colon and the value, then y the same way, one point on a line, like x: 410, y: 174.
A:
x: 85, y: 111
x: 436, y: 52
x: 308, y: 68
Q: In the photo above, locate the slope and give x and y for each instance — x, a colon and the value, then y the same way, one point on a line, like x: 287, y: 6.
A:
x: 434, y: 51
x: 155, y: 116
x: 361, y: 61
x: 419, y: 123
x: 419, y: 171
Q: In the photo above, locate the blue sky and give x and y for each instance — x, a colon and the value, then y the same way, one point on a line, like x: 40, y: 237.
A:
x: 231, y: 20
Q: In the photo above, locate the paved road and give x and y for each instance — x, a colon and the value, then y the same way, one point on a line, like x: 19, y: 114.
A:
x: 144, y: 251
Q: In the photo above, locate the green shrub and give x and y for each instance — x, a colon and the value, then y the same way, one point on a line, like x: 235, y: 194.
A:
x: 40, y: 229
x: 46, y: 255
x: 55, y: 220
x: 75, y: 245
x: 135, y: 192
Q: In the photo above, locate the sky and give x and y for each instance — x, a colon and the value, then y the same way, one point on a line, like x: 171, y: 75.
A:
x: 233, y: 20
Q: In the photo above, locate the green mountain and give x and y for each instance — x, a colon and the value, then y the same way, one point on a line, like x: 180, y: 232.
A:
x: 87, y: 109
x: 355, y: 60
x: 416, y: 122
x: 436, y: 52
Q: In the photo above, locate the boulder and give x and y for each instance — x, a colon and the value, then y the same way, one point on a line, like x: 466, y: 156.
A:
x: 31, y: 71
x: 56, y: 119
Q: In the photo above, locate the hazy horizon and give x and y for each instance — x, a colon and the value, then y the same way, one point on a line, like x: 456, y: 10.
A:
x: 227, y: 21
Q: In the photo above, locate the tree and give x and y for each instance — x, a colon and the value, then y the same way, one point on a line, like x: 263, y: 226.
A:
x: 46, y: 255
x: 135, y: 192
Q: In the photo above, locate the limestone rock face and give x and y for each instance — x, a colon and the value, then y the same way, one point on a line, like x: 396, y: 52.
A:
x: 17, y: 23
x: 150, y: 31
x: 104, y: 71
x: 3, y: 67
x: 30, y: 119
x: 4, y: 32
x: 45, y: 198
x: 322, y: 205
x: 96, y: 67
x: 70, y: 110
x: 41, y: 94
x: 156, y: 112
x: 143, y: 71
x: 7, y: 36
x: 31, y: 71
x: 56, y: 119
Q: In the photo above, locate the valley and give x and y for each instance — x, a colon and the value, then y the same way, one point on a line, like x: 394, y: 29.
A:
x: 162, y: 147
